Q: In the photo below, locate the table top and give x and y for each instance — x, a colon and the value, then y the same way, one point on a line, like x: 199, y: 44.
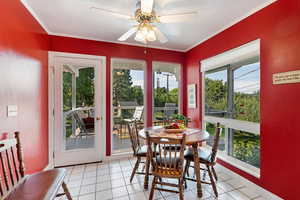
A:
x: 192, y: 135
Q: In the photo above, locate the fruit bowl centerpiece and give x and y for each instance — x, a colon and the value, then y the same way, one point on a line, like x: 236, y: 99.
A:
x: 175, y: 128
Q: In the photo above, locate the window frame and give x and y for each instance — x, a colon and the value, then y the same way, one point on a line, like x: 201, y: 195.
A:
x: 219, y: 63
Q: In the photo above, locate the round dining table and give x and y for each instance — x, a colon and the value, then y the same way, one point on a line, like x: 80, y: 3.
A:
x: 194, y: 138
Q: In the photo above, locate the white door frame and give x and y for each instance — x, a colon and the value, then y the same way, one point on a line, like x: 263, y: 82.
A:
x: 51, y: 99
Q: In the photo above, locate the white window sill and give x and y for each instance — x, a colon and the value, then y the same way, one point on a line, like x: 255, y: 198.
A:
x: 254, y: 171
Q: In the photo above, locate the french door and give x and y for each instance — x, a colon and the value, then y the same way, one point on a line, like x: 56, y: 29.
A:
x: 78, y: 115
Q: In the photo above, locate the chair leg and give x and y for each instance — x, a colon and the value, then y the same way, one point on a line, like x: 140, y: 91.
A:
x: 181, y: 189
x: 212, y: 181
x: 65, y: 188
x: 214, y: 173
x: 152, y: 188
x: 186, y: 172
x: 136, y: 166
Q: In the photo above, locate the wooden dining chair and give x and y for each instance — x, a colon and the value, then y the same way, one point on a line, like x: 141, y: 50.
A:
x: 139, y: 151
x: 208, y: 159
x: 166, y: 163
x: 16, y: 185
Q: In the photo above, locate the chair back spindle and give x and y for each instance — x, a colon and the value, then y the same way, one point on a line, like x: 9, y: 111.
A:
x: 134, y: 138
x: 11, y: 164
x: 165, y: 161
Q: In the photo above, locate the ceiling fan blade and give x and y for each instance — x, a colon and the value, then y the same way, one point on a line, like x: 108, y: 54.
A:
x: 147, y: 6
x: 160, y: 36
x: 175, y: 18
x: 164, y: 3
x: 129, y: 33
x: 117, y: 14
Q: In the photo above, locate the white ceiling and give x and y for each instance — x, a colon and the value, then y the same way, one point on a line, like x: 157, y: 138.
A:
x: 74, y: 18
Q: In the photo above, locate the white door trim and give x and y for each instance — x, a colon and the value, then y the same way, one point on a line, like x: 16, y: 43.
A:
x: 51, y: 99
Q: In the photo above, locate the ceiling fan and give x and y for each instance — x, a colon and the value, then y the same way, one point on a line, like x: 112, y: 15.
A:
x: 145, y: 31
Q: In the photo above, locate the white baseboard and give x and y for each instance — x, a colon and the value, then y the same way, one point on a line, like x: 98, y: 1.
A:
x: 261, y: 191
x: 49, y: 166
x: 125, y: 155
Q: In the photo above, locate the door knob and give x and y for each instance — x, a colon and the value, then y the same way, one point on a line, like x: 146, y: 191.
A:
x: 98, y: 118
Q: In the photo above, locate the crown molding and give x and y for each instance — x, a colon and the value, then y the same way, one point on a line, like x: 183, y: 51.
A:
x: 31, y: 11
x: 115, y: 42
x: 233, y: 22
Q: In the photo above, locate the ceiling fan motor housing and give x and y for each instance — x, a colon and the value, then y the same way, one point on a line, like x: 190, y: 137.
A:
x: 145, y: 18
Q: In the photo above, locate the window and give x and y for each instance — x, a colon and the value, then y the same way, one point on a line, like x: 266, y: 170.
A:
x: 166, y: 81
x: 232, y: 98
x: 127, y: 99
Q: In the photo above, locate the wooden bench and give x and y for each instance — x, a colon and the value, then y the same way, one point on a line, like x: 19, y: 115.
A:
x: 15, y: 185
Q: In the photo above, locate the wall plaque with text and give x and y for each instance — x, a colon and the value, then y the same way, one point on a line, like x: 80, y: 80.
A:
x: 286, y: 77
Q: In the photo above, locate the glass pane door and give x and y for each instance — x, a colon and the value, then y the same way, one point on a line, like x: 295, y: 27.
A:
x: 78, y: 110
x: 78, y: 107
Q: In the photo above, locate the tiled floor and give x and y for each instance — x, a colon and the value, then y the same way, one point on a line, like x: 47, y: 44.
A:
x: 110, y: 180
x: 119, y: 144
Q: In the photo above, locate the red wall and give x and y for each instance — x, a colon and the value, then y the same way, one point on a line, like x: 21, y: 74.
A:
x: 23, y: 71
x: 278, y: 27
x: 111, y: 50
x: 23, y: 81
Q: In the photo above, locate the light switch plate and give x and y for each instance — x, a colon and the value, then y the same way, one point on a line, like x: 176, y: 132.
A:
x: 12, y: 110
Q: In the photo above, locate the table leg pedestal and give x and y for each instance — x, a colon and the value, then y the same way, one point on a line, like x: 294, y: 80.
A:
x: 197, y: 170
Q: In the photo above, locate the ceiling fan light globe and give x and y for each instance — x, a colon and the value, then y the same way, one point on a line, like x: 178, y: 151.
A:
x: 144, y: 30
x: 140, y: 37
x: 151, y: 36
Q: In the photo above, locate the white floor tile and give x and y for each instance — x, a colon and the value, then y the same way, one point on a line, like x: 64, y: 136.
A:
x: 74, y: 191
x: 103, y: 186
x: 103, y: 178
x: 117, y: 175
x: 137, y: 196
x: 87, y: 189
x: 91, y: 196
x: 236, y: 194
x: 226, y: 187
x: 225, y: 196
x: 104, y: 195
x: 236, y: 183
x: 250, y: 193
x: 75, y: 183
x: 122, y: 198
x: 89, y: 174
x: 117, y: 183
x: 134, y: 188
x: 119, y: 192
x: 89, y: 181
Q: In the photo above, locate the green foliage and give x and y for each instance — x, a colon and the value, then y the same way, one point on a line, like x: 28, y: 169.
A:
x: 137, y: 94
x: 85, y: 89
x: 162, y: 96
x: 246, y: 107
x: 246, y: 147
x: 67, y: 91
x: 216, y: 94
x: 122, y: 82
x: 179, y: 117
